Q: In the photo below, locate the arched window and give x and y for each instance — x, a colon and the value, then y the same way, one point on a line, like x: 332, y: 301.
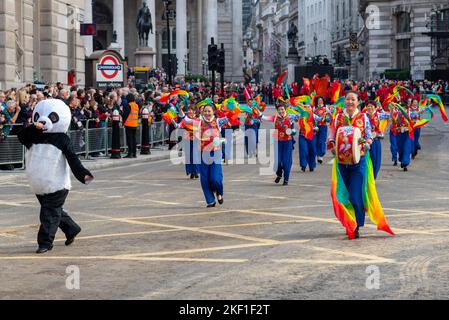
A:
x: 403, y: 22
x: 101, y: 13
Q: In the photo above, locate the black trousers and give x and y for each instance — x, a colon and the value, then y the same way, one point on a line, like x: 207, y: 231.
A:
x: 171, y: 140
x: 52, y: 217
x: 131, y: 140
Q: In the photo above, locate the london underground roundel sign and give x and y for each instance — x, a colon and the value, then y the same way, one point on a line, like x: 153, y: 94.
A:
x: 109, y: 69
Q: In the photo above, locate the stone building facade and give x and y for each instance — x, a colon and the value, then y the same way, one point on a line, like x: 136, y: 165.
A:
x: 316, y: 22
x: 39, y: 40
x: 346, y: 20
x: 192, y: 26
x: 395, y: 36
x: 270, y: 24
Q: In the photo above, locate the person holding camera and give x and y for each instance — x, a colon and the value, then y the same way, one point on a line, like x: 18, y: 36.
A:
x: 10, y: 115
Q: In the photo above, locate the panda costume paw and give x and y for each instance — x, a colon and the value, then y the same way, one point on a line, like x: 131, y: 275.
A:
x: 49, y: 156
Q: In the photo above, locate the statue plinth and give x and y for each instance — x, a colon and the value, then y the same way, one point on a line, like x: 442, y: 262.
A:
x: 292, y: 51
x: 293, y: 62
x: 145, y: 57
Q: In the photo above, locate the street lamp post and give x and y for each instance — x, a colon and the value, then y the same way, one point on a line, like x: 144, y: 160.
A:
x: 315, y: 39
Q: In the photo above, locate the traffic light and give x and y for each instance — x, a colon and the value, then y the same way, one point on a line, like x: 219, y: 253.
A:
x: 221, y: 60
x: 88, y: 29
x: 212, y: 53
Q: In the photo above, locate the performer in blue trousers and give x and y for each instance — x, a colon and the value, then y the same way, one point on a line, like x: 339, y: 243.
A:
x: 227, y: 146
x: 416, y: 144
x: 375, y: 117
x: 308, y: 143
x: 321, y: 135
x: 307, y: 153
x: 226, y: 133
x: 394, y: 144
x: 191, y: 147
x: 284, y: 131
x: 415, y: 114
x: 353, y: 175
x: 211, y: 154
x: 251, y: 135
x: 404, y: 149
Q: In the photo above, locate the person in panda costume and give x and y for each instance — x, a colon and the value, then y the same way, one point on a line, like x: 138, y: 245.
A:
x: 48, y: 158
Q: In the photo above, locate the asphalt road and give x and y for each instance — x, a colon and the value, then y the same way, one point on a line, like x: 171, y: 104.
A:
x: 147, y: 235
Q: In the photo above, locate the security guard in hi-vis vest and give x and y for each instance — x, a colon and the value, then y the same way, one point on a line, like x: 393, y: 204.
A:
x: 131, y: 122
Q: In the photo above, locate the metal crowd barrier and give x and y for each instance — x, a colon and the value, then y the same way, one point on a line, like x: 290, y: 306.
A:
x: 12, y: 152
x: 86, y: 142
x: 99, y: 140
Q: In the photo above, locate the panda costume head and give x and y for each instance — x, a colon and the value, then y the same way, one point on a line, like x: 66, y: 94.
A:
x: 54, y: 114
x: 46, y: 160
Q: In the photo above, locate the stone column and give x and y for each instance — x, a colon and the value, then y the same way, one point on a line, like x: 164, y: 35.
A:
x: 181, y: 35
x: 152, y: 36
x: 237, y: 35
x: 212, y: 21
x: 54, y: 54
x: 8, y: 47
x: 119, y: 24
x: 199, y: 58
x: 28, y: 28
x: 88, y: 18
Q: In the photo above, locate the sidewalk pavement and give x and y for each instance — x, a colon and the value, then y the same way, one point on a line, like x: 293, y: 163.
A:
x: 96, y: 163
x: 160, y: 153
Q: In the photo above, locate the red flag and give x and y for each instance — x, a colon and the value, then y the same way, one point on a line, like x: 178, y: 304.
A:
x: 247, y: 94
x: 281, y: 77
x: 335, y: 91
x: 320, y: 85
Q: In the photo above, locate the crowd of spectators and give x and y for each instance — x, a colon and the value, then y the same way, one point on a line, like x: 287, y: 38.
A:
x: 93, y: 107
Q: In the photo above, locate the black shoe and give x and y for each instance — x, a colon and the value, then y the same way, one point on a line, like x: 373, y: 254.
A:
x: 8, y: 167
x: 413, y: 157
x: 402, y: 166
x: 197, y: 176
x: 405, y: 169
x: 303, y: 169
x: 220, y: 199
x: 278, y: 179
x: 192, y: 176
x: 71, y: 239
x: 356, y: 233
x: 285, y: 183
x: 128, y: 156
x: 211, y: 205
x: 395, y: 164
x: 43, y: 250
x: 134, y: 156
x: 312, y: 170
